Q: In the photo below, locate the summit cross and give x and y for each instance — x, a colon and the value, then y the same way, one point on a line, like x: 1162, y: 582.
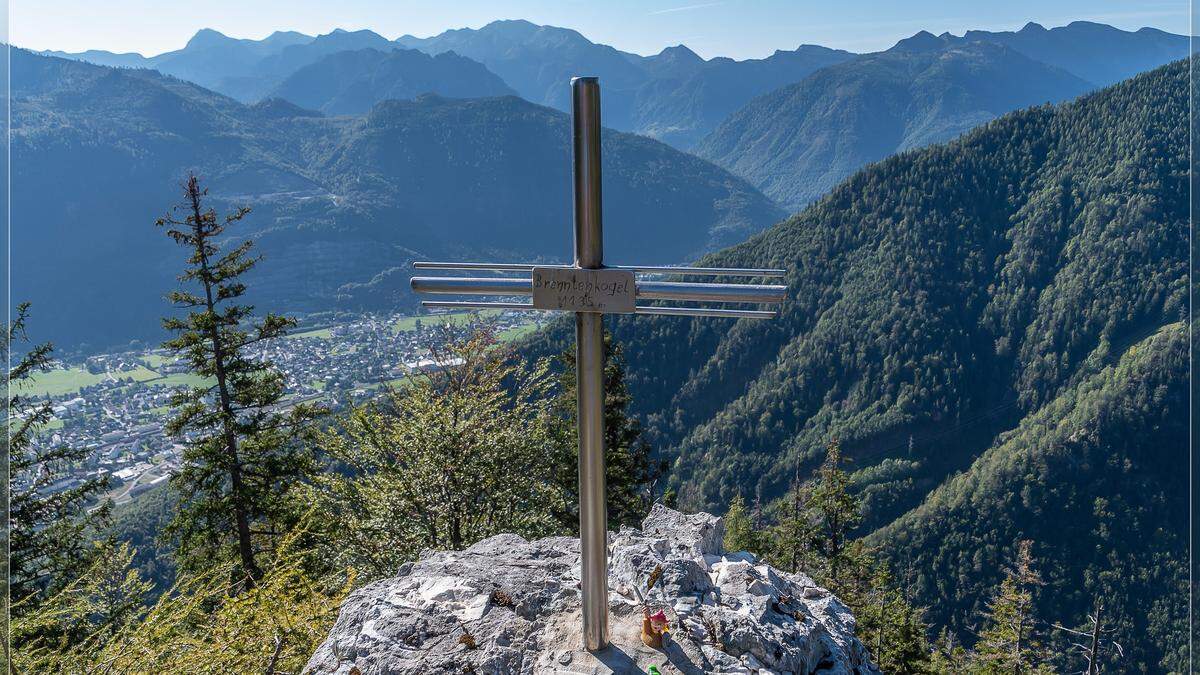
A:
x: 591, y: 289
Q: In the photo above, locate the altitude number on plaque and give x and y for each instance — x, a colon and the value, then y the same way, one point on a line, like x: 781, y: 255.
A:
x: 579, y: 290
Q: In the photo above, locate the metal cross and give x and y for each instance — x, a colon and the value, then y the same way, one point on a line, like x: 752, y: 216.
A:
x: 591, y: 289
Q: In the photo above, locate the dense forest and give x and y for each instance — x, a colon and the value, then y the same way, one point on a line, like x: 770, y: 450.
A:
x: 997, y: 308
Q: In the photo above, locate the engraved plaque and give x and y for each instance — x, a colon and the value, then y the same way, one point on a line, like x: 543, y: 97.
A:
x: 579, y: 290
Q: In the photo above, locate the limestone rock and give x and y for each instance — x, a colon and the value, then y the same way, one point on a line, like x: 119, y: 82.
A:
x: 511, y: 606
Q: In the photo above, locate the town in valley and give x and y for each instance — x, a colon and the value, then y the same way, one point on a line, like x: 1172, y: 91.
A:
x: 116, y: 404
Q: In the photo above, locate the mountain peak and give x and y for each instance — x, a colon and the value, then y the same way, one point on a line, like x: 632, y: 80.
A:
x: 680, y: 52
x: 923, y: 41
x: 514, y: 26
x: 206, y: 37
x: 1033, y: 27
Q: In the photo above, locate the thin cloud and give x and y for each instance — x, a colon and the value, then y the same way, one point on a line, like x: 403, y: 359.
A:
x: 686, y: 8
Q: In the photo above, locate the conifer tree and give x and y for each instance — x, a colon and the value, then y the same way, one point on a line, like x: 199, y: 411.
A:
x: 795, y: 535
x: 739, y: 529
x: 631, y: 472
x: 837, y: 510
x: 47, y: 544
x: 813, y: 534
x: 892, y: 627
x: 241, y: 456
x: 1010, y: 643
x: 948, y: 657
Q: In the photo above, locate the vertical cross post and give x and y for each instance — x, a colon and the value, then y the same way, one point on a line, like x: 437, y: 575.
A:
x: 590, y: 289
x: 589, y: 367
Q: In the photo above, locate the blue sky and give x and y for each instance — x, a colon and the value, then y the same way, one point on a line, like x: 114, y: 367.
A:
x: 737, y: 28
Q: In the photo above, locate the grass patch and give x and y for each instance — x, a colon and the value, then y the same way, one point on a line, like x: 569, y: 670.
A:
x: 517, y: 332
x: 63, y: 381
x: 139, y: 374
x: 322, y: 333
x: 409, y: 323
x: 154, y: 361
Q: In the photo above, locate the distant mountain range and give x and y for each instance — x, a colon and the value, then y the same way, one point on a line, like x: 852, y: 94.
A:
x: 342, y: 205
x: 352, y: 82
x: 675, y: 96
x: 794, y: 124
x: 798, y: 142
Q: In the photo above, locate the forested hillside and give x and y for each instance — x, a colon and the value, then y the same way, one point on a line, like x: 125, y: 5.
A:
x: 1025, y: 278
x: 342, y: 205
x: 1096, y: 479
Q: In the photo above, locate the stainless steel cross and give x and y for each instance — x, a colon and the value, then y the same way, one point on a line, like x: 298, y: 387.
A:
x: 591, y: 289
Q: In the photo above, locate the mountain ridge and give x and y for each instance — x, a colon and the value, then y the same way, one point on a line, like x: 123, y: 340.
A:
x: 797, y: 142
x: 341, y: 204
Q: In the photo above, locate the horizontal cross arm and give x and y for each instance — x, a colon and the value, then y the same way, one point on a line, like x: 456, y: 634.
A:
x: 638, y: 269
x: 646, y: 290
x: 659, y: 311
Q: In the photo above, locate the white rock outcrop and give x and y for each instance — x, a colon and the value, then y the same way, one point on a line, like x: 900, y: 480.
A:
x: 507, y: 605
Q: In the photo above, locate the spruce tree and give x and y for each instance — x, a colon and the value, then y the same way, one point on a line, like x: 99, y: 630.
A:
x: 241, y: 455
x: 892, y: 627
x: 949, y: 657
x: 1010, y: 643
x: 631, y: 471
x: 739, y: 528
x: 795, y: 535
x: 48, y: 531
x: 837, y: 511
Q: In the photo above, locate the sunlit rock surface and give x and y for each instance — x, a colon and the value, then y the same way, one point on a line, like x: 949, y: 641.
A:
x: 507, y: 605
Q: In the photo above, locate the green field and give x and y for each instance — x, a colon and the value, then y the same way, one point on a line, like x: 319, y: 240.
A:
x: 139, y: 374
x: 323, y: 333
x: 63, y: 381
x: 153, y: 361
x: 516, y: 333
x: 408, y: 323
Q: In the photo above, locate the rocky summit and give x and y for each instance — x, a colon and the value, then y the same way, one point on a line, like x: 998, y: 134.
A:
x: 507, y: 605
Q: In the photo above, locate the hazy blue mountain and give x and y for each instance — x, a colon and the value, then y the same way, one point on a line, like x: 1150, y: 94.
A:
x: 104, y: 58
x: 671, y: 63
x: 352, y: 82
x: 263, y: 75
x: 798, y: 141
x: 674, y: 96
x: 341, y: 205
x: 244, y: 69
x: 539, y: 61
x: 683, y: 106
x: 1095, y: 52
